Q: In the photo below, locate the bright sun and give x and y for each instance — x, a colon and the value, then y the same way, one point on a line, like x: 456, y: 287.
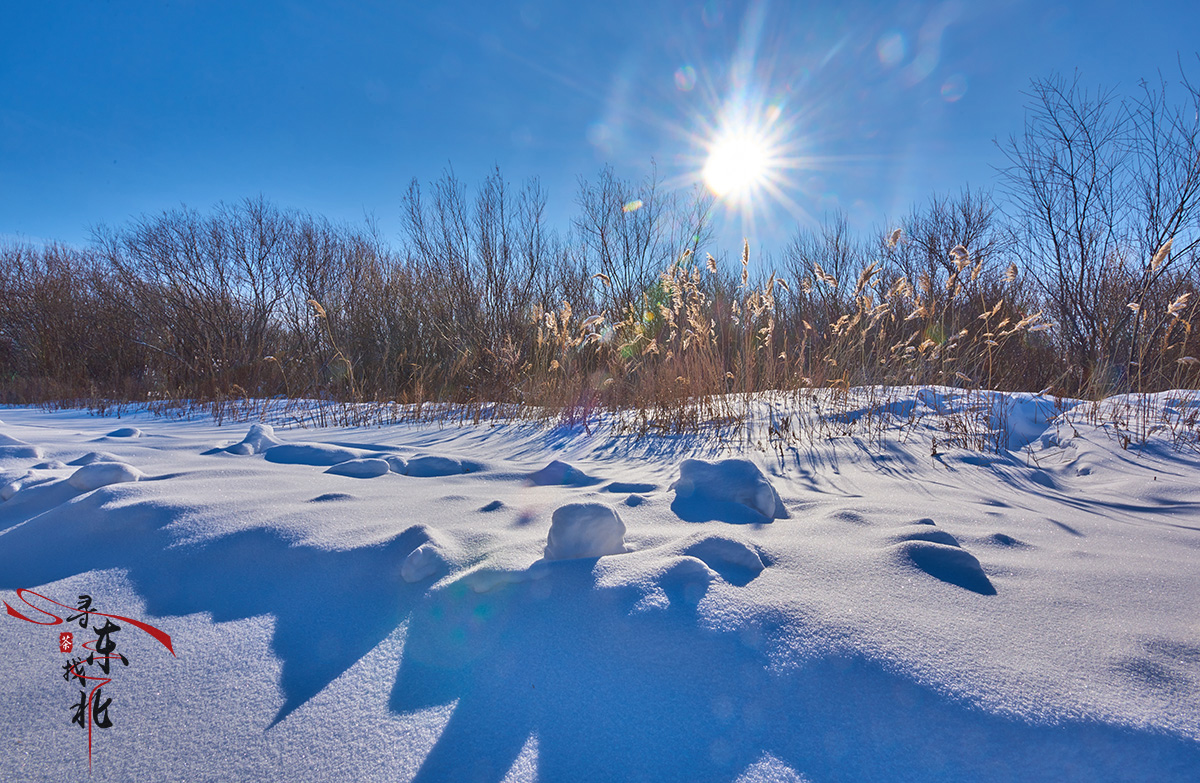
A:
x: 738, y: 164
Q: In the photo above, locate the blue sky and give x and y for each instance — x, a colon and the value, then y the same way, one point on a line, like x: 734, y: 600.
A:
x: 113, y: 109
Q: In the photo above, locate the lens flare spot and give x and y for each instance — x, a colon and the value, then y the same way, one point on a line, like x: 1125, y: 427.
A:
x: 738, y: 163
x: 891, y: 48
x: 954, y: 88
x: 685, y: 78
x: 632, y: 206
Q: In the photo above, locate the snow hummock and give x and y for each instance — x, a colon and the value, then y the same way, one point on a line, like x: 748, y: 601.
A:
x: 101, y: 474
x: 434, y: 467
x: 703, y: 488
x: 125, y: 432
x: 396, y: 463
x: 316, y: 454
x: 95, y: 456
x: 12, y: 448
x: 559, y: 473
x: 361, y: 468
x: 422, y: 563
x: 585, y: 530
x: 260, y: 438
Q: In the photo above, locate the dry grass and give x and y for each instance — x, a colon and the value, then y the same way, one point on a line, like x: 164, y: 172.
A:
x: 252, y: 312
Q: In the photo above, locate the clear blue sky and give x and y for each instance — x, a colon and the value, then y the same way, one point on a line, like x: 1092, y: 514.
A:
x: 112, y: 109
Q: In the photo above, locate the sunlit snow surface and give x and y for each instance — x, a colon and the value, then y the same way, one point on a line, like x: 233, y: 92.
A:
x: 900, y: 615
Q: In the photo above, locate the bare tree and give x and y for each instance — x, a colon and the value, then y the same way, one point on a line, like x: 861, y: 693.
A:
x: 1066, y: 179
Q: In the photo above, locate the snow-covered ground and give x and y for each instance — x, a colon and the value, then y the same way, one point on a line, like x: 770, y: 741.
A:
x: 520, y: 603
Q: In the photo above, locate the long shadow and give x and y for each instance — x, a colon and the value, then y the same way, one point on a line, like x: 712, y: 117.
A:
x: 331, y: 607
x: 618, y: 695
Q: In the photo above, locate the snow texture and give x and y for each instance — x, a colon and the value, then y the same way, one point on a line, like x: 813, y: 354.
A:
x: 1022, y: 613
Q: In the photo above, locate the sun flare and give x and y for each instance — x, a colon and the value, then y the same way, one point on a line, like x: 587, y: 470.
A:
x: 738, y: 164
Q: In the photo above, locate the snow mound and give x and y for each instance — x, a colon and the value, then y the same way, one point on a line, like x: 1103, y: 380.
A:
x: 939, y: 554
x: 735, y: 562
x: 396, y: 463
x: 585, y: 530
x: 1018, y: 418
x: 921, y: 532
x: 630, y: 487
x: 126, y: 432
x: 1004, y: 539
x: 95, y: 456
x: 12, y: 448
x: 706, y: 490
x: 1022, y: 417
x: 433, y: 467
x: 423, y: 562
x: 53, y: 464
x: 260, y: 438
x: 361, y: 468
x: 686, y: 579
x: 316, y: 454
x: 634, y: 500
x: 10, y: 489
x: 101, y: 474
x: 561, y: 474
x: 331, y: 496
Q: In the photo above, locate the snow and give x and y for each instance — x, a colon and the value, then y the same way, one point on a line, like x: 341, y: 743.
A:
x: 723, y: 489
x: 434, y: 467
x: 101, y: 474
x: 549, y: 603
x: 260, y: 438
x: 584, y: 530
x: 362, y: 468
x: 560, y: 473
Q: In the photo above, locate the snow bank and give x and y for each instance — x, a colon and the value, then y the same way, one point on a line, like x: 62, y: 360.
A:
x: 125, y: 432
x: 101, y: 474
x: 585, y: 530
